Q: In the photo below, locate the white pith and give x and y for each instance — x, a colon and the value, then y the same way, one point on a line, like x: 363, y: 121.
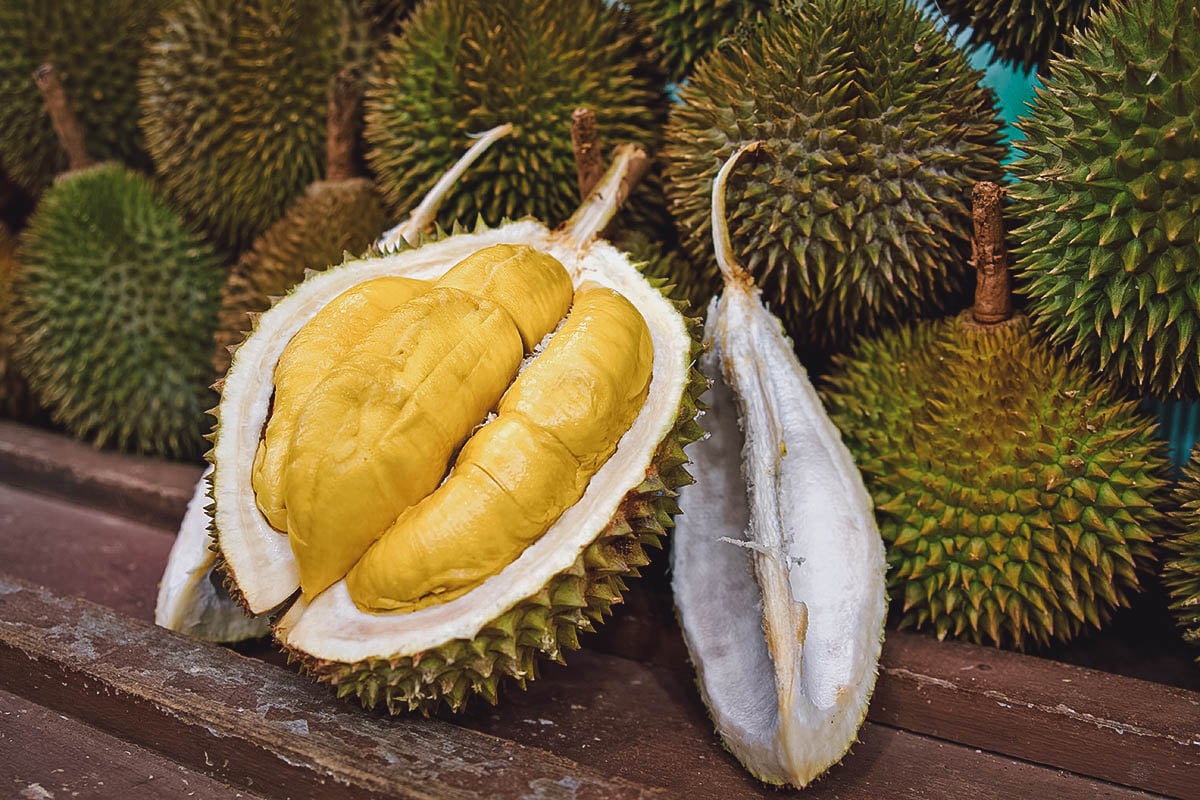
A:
x: 331, y: 627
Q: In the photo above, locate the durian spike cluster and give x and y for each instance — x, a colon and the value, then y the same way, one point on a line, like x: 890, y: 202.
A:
x: 685, y: 31
x: 1109, y: 197
x: 14, y: 393
x: 233, y: 99
x: 459, y: 66
x: 96, y: 45
x: 1024, y: 32
x: 1181, y: 565
x: 1017, y: 494
x: 875, y: 127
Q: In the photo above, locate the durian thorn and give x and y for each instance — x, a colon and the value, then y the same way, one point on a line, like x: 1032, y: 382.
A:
x: 585, y: 143
x: 734, y: 273
x: 630, y: 164
x: 62, y: 117
x: 345, y: 92
x: 423, y: 215
x: 989, y: 256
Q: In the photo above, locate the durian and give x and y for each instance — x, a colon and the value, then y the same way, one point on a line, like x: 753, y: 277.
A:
x: 115, y: 306
x: 233, y: 98
x: 343, y: 213
x: 1023, y: 32
x: 1016, y: 493
x: 96, y: 45
x: 851, y: 217
x: 778, y: 568
x: 14, y: 393
x: 459, y: 66
x: 441, y: 650
x: 1109, y: 194
x: 1181, y: 565
x: 685, y: 31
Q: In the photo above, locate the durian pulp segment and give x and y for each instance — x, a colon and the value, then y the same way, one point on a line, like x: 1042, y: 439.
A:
x: 188, y: 599
x: 557, y: 423
x: 377, y: 431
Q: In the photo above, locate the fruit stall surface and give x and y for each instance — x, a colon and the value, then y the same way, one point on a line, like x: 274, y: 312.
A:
x: 98, y: 702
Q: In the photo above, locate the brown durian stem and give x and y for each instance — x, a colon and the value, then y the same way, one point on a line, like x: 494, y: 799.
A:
x: 630, y: 164
x: 586, y: 143
x: 993, y: 292
x: 345, y: 92
x: 62, y: 117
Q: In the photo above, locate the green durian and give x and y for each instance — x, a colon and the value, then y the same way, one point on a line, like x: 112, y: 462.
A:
x: 332, y: 217
x: 1109, y: 194
x: 1023, y: 32
x: 14, y: 393
x: 233, y: 105
x: 1181, y: 567
x: 874, y: 127
x: 96, y: 45
x: 1015, y: 492
x: 459, y: 67
x: 115, y: 307
x: 684, y: 31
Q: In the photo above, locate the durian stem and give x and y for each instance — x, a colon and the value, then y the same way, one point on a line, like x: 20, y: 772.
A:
x: 630, y: 164
x: 585, y: 142
x: 423, y: 215
x: 62, y: 117
x: 993, y: 293
x: 733, y: 271
x: 345, y: 92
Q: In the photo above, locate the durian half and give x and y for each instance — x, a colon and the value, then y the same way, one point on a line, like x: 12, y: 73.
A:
x: 562, y: 583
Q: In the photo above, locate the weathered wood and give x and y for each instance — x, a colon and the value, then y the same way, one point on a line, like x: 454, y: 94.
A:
x: 44, y: 755
x: 1111, y: 727
x: 254, y: 725
x: 146, y: 489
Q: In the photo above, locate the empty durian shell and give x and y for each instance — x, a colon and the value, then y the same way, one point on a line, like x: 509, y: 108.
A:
x: 778, y: 565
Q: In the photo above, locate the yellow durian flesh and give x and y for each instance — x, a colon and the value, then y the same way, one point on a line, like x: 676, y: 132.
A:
x: 557, y: 424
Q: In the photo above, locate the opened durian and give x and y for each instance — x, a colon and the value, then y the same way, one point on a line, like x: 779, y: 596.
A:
x: 1109, y: 194
x: 341, y: 214
x: 343, y: 410
x: 1016, y: 493
x: 778, y: 568
x: 851, y: 216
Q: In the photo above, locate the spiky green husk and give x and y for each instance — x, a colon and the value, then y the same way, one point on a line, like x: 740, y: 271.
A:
x: 95, y: 46
x: 1109, y: 193
x: 330, y: 219
x: 1024, y: 32
x: 233, y: 101
x: 461, y: 67
x: 685, y: 31
x: 115, y: 307
x: 1181, y: 569
x: 14, y: 393
x: 874, y: 129
x: 1015, y: 493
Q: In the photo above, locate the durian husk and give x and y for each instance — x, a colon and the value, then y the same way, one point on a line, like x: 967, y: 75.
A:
x: 1023, y: 32
x: 502, y: 628
x: 14, y: 392
x: 684, y: 33
x: 1181, y: 567
x: 330, y: 219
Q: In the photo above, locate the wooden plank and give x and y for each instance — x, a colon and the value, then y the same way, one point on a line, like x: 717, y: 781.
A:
x: 1118, y: 729
x: 251, y: 724
x: 146, y: 489
x: 44, y: 754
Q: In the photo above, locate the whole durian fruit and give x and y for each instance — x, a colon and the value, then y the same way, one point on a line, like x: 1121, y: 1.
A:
x: 96, y: 45
x: 874, y: 129
x: 685, y: 31
x: 1109, y: 194
x: 14, y: 393
x: 1181, y: 569
x: 340, y: 214
x: 1016, y: 493
x: 1024, y: 32
x: 460, y: 66
x: 233, y: 105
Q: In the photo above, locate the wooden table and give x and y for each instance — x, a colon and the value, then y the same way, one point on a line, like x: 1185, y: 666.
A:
x: 95, y: 701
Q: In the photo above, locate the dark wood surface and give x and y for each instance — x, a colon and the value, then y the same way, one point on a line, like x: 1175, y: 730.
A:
x: 948, y: 720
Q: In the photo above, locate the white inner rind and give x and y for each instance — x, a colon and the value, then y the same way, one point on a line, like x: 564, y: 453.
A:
x: 331, y: 626
x: 786, y: 632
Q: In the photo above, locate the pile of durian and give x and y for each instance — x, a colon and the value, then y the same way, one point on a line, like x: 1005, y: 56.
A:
x: 439, y: 450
